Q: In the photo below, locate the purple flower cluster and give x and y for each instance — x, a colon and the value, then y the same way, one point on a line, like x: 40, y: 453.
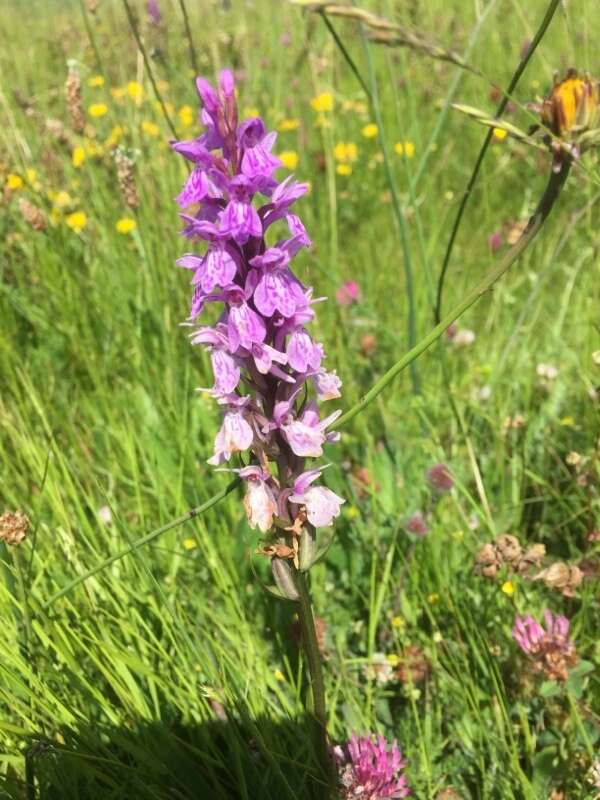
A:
x: 268, y: 371
x: 370, y: 769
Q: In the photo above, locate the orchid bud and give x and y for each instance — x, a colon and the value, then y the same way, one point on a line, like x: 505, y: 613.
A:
x: 284, y: 578
x: 308, y: 548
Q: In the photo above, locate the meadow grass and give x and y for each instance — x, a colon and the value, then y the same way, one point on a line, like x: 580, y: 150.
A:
x: 172, y: 673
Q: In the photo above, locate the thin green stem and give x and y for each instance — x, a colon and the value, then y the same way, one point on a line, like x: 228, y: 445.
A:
x: 91, y: 37
x: 188, y: 33
x: 398, y: 212
x: 142, y: 49
x: 149, y: 537
x: 315, y: 669
x: 486, y: 143
x: 555, y: 184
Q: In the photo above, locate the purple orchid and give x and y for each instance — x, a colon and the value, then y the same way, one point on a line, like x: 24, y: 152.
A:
x: 268, y: 371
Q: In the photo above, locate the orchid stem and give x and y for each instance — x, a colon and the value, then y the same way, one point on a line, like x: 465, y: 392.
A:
x: 315, y: 669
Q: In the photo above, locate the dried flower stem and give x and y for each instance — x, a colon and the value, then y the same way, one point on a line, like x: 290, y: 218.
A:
x: 486, y: 143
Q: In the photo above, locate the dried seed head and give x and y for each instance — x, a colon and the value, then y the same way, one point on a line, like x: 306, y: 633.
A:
x: 32, y: 215
x: 13, y: 527
x: 58, y: 131
x: 509, y: 549
x: 73, y: 96
x: 126, y: 177
x: 561, y: 576
x: 531, y: 557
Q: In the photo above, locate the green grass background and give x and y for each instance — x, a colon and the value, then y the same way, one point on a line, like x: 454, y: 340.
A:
x: 121, y: 681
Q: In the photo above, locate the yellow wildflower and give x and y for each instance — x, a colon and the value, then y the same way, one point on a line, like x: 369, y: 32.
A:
x: 343, y: 169
x: 288, y: 125
x: 31, y: 175
x: 433, y: 598
x: 135, y: 90
x: 114, y: 138
x: 568, y: 422
x: 186, y: 116
x: 499, y: 134
x: 289, y: 159
x: 322, y: 102
x: 98, y: 109
x: 345, y: 152
x: 78, y: 156
x: 93, y: 149
x: 62, y: 199
x: 392, y: 659
x: 126, y: 225
x: 370, y: 131
x: 76, y: 221
x: 150, y: 128
x: 508, y: 588
x: 351, y: 512
x: 405, y: 149
x: 118, y: 92
x: 279, y: 675
x: 190, y: 544
x: 95, y: 81
x: 250, y: 111
x: 13, y: 181
x: 398, y: 622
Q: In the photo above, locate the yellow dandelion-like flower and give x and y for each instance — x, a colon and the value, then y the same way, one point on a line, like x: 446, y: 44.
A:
x: 351, y: 512
x: 289, y: 159
x: 392, y: 659
x: 344, y: 169
x: 62, y: 199
x: 567, y: 422
x: 135, y: 90
x: 150, y: 128
x: 250, y: 111
x: 93, y: 149
x: 31, y: 175
x: 186, y: 116
x: 118, y: 92
x: 168, y: 109
x: 114, y: 138
x: 95, y: 81
x: 398, y: 622
x: 345, y: 152
x: 433, y: 598
x: 499, y: 134
x: 14, y: 182
x: 288, y: 125
x: 322, y: 102
x: 78, y: 155
x: 190, y: 544
x: 370, y: 131
x: 98, y: 109
x: 508, y: 588
x: 573, y: 104
x: 126, y: 225
x: 405, y: 149
x: 279, y: 676
x: 76, y: 221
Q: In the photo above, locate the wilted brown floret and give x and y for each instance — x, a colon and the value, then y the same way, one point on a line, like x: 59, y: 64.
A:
x: 561, y: 576
x: 368, y: 344
x: 73, y: 96
x: 506, y: 551
x: 13, y: 527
